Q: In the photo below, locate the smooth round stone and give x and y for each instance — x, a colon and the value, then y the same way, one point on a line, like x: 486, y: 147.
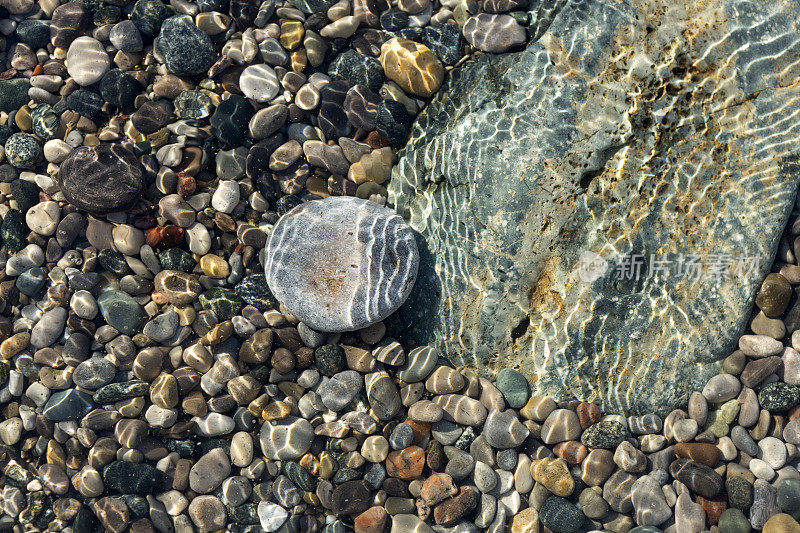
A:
x: 560, y: 515
x: 43, y: 218
x: 361, y: 107
x: 230, y: 120
x: 226, y: 196
x: 341, y: 263
x: 209, y: 471
x: 45, y: 121
x: 208, y: 513
x: 87, y: 61
x: 514, y: 387
x: 259, y: 82
x: 419, y: 364
x: 781, y: 523
x: 31, y: 281
x: 286, y: 439
x: 774, y: 294
x: 22, y: 150
x: 734, y: 521
x: 94, y: 373
x: 48, y: 329
x: 606, y: 434
x: 152, y: 116
x: 187, y: 50
x: 14, y: 93
x: 101, y: 178
x: 789, y: 496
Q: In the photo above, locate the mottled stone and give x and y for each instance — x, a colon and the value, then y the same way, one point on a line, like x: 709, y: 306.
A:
x: 504, y: 126
x: 341, y: 263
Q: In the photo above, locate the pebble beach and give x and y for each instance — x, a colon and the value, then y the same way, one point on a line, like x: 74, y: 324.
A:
x: 197, y: 265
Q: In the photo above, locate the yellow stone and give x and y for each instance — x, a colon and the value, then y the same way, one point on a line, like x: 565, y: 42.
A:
x: 130, y: 408
x: 218, y: 334
x: 214, y: 266
x: 553, y: 474
x: 292, y: 32
x: 781, y: 523
x: 256, y: 407
x: 526, y: 521
x: 276, y: 411
x: 14, y: 344
x: 413, y: 66
x: 298, y: 60
x: 327, y: 465
x: 164, y: 391
x: 186, y: 315
x: 55, y: 454
x: 23, y: 118
x: 310, y: 464
x: 375, y: 166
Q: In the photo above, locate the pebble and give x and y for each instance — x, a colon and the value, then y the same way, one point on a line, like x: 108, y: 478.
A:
x: 259, y: 82
x: 559, y: 426
x: 286, y: 439
x: 339, y: 306
x: 186, y: 49
x: 413, y: 66
x: 87, y: 61
x: 85, y: 178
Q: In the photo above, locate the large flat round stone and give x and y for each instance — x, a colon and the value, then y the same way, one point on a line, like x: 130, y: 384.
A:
x: 341, y: 263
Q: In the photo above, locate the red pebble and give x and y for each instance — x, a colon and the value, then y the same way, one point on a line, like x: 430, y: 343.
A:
x: 375, y: 140
x: 573, y: 452
x: 406, y: 463
x: 588, y: 414
x: 713, y: 508
x: 373, y: 520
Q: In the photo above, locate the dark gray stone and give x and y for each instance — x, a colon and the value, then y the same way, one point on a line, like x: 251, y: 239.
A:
x: 561, y: 150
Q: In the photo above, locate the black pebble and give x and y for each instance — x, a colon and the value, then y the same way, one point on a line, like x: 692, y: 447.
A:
x: 119, y: 88
x: 393, y: 122
x: 230, y: 119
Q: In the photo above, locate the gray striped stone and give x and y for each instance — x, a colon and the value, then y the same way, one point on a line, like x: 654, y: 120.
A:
x: 341, y: 263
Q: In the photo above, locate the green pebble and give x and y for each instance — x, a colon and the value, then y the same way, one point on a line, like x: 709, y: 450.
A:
x: 31, y: 281
x: 789, y: 496
x: 121, y: 311
x: 514, y: 387
x: 733, y: 521
x: 330, y: 359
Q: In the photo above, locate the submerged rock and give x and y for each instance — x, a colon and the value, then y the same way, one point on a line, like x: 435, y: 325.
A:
x: 568, y: 163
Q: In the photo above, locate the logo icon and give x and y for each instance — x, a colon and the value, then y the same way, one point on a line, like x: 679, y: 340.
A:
x: 591, y: 266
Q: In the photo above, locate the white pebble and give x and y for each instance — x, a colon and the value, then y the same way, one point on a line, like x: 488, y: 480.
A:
x: 259, y: 82
x: 272, y: 516
x: 226, y: 196
x: 87, y: 61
